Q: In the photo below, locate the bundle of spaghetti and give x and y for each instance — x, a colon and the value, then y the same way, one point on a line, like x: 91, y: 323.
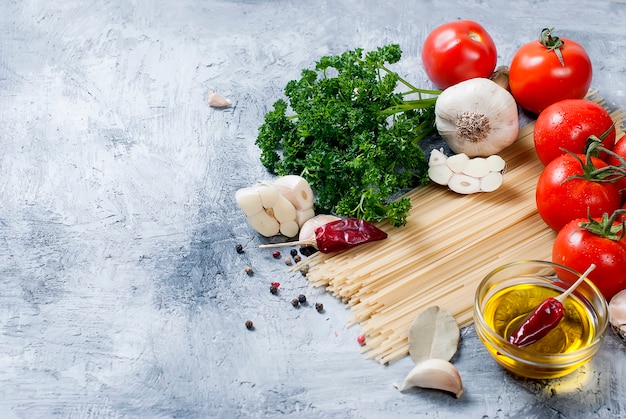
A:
x: 449, y: 244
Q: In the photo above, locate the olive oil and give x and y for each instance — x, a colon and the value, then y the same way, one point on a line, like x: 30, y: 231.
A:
x: 509, y: 307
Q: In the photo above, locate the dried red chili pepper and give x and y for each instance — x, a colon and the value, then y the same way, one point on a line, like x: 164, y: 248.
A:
x: 545, y: 317
x: 541, y: 321
x: 343, y: 234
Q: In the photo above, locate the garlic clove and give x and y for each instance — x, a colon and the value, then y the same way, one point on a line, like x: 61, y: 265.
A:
x: 269, y: 195
x: 496, y: 163
x: 464, y: 184
x: 457, y: 162
x: 617, y: 313
x: 491, y: 182
x: 249, y: 200
x: 283, y: 210
x: 435, y: 374
x: 437, y: 157
x: 264, y: 224
x: 289, y: 228
x: 302, y: 216
x: 476, y: 167
x: 218, y: 101
x: 440, y: 174
x: 297, y: 190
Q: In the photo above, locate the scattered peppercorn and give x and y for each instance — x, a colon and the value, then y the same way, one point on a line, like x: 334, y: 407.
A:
x: 297, y: 258
x: 276, y: 254
x: 361, y: 339
x: 276, y: 284
x: 249, y: 270
x: 295, y: 302
x: 274, y: 289
x: 239, y: 248
x: 287, y: 261
x: 293, y: 252
x: 319, y: 307
x: 249, y: 325
x: 302, y: 298
x: 304, y: 269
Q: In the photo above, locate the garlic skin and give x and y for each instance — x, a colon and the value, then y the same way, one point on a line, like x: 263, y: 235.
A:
x: 435, y: 374
x: 477, y: 117
x: 218, y: 101
x: 617, y: 313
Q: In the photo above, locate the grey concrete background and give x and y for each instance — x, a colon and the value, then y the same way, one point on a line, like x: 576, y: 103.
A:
x: 121, y: 294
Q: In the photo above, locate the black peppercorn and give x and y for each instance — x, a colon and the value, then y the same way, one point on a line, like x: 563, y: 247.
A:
x: 302, y: 298
x: 295, y: 302
x: 319, y: 307
x: 274, y: 289
x: 239, y: 248
x: 249, y: 325
x: 293, y: 252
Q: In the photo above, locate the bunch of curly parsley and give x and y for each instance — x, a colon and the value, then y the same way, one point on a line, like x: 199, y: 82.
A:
x: 347, y: 130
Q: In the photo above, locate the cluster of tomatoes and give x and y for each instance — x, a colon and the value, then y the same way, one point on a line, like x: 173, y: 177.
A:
x: 581, y: 193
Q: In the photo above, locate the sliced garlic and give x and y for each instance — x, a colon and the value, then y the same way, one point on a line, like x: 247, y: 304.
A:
x: 464, y: 184
x: 491, y: 182
x: 457, y: 162
x: 496, y: 163
x: 437, y: 157
x: 435, y: 374
x: 218, y: 101
x: 617, y: 313
x: 476, y: 167
x: 440, y: 174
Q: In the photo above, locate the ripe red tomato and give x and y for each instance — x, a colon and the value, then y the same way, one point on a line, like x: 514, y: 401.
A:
x: 568, y: 124
x: 537, y: 78
x: 560, y: 200
x: 620, y: 149
x: 458, y: 51
x: 577, y: 248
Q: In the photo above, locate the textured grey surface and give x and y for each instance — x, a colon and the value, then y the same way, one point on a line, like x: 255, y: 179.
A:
x: 121, y: 294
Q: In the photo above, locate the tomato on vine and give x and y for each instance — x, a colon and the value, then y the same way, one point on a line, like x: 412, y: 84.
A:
x: 576, y: 185
x: 550, y: 69
x: 601, y: 241
x: 458, y: 51
x: 568, y: 124
x: 620, y: 149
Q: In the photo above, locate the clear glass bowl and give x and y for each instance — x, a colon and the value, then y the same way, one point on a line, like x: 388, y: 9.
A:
x: 529, y: 276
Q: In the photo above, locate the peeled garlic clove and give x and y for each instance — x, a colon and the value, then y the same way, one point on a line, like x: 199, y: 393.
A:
x: 283, y: 210
x: 437, y: 157
x: 435, y: 374
x: 464, y: 184
x: 269, y: 195
x: 249, y: 200
x: 297, y: 190
x: 617, y: 313
x: 218, y: 101
x: 302, y: 216
x: 265, y: 224
x: 457, y: 162
x: 491, y: 182
x: 476, y: 167
x: 289, y: 228
x: 440, y: 174
x: 496, y: 163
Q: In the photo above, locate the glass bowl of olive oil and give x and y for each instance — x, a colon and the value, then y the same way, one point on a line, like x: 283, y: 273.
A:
x: 508, y: 294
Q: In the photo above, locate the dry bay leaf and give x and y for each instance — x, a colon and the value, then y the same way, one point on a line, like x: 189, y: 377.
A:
x: 433, y: 334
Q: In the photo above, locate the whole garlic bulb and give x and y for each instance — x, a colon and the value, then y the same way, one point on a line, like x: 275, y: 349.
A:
x: 477, y: 117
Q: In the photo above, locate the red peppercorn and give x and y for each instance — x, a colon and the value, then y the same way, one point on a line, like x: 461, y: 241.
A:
x: 275, y: 254
x: 361, y: 339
